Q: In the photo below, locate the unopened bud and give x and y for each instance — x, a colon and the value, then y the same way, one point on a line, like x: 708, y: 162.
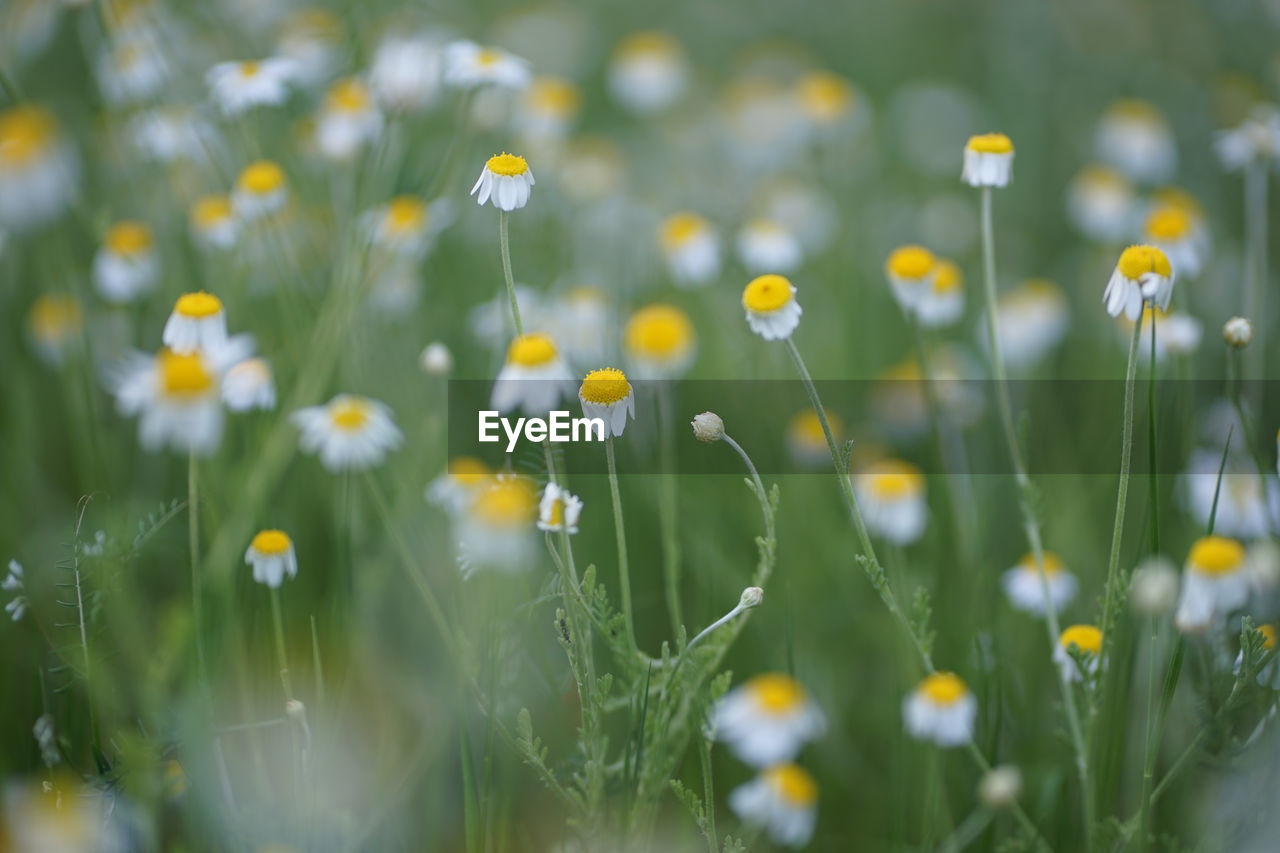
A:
x: 295, y: 710
x: 1001, y: 787
x: 751, y: 596
x: 1237, y: 332
x: 1153, y: 590
x: 708, y: 427
x: 436, y: 360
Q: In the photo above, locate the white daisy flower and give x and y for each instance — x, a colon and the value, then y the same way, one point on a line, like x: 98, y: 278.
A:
x: 272, y: 556
x: 826, y: 100
x: 648, y: 72
x: 1134, y: 137
x: 507, y: 180
x: 197, y: 323
x: 240, y: 86
x: 1255, y: 139
x: 660, y: 342
x: 169, y: 134
x: 496, y: 532
x: 783, y: 799
x: 1176, y: 334
x: 582, y: 322
x: 806, y: 441
x: 941, y: 709
x: 558, y: 510
x: 468, y: 65
x: 891, y: 495
x: 767, y: 246
x: 212, y: 222
x: 1246, y: 505
x: 38, y: 169
x: 988, y: 160
x: 1269, y: 675
x: 1086, y: 639
x: 260, y: 190
x: 534, y: 378
x: 407, y: 225
x: 772, y: 310
x: 126, y: 264
x: 1031, y: 320
x: 311, y: 41
x: 407, y: 73
x: 249, y: 385
x: 348, y: 121
x: 606, y: 394
x: 767, y: 719
x: 132, y: 70
x: 690, y: 248
x: 1101, y: 204
x: 1214, y: 583
x: 1143, y: 274
x: 1153, y: 589
x: 1022, y: 585
x: 455, y: 489
x: 54, y: 325
x: 942, y: 303
x: 350, y: 433
x: 1172, y: 229
x: 548, y: 109
x: 910, y: 270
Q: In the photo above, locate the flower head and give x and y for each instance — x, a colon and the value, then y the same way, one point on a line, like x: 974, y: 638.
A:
x: 272, y: 556
x: 988, y: 160
x: 38, y: 168
x: 495, y: 531
x: 407, y: 73
x: 606, y: 394
x: 891, y: 494
x: 1134, y: 137
x: 707, y: 427
x: 1237, y: 332
x: 507, y: 180
x: 534, y: 377
x: 941, y: 709
x: 767, y: 719
x: 558, y: 510
x: 54, y: 324
x: 648, y: 72
x: 1214, y: 583
x: 783, y: 799
x: 1143, y: 274
x: 690, y: 248
x: 213, y: 223
x: 1084, y: 639
x: 237, y: 87
x: 348, y: 120
x: 126, y: 264
x: 467, y: 65
x: 1022, y: 585
x: 659, y: 341
x: 196, y: 323
x: 768, y: 246
x: 910, y: 270
x: 772, y: 310
x: 260, y: 189
x: 350, y: 432
x: 942, y: 303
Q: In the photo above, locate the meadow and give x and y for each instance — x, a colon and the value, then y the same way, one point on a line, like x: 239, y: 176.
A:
x: 936, y: 503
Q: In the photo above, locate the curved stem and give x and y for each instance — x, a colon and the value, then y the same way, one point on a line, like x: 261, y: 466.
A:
x: 504, y: 243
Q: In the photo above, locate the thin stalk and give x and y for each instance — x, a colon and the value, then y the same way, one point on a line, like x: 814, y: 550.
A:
x: 282, y: 659
x: 765, y: 509
x: 708, y: 797
x: 1255, y: 215
x: 624, y: 574
x: 193, y: 541
x: 1153, y: 476
x: 967, y: 831
x: 668, y: 514
x: 504, y: 244
x: 1149, y: 746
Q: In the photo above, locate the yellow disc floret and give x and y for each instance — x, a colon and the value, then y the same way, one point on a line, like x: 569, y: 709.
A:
x: 792, y: 785
x: 128, y: 238
x: 894, y: 479
x: 606, y: 385
x: 350, y: 414
x: 183, y: 375
x: 271, y: 543
x: 468, y: 471
x: 507, y: 165
x: 806, y: 429
x: 658, y: 331
x: 531, y: 350
x: 554, y: 96
x: 776, y: 693
x: 1087, y: 638
x: 1052, y: 563
x: 947, y: 277
x: 197, y: 305
x: 824, y: 96
x: 648, y: 43
x: 943, y: 688
x: 1268, y: 633
x: 406, y: 214
x: 510, y: 502
x: 1216, y: 555
x: 1137, y: 261
x: 911, y: 262
x: 210, y: 210
x: 680, y: 228
x: 1168, y: 222
x: 990, y: 143
x: 767, y: 293
x: 261, y: 178
x: 54, y: 317
x: 25, y: 132
x: 348, y: 96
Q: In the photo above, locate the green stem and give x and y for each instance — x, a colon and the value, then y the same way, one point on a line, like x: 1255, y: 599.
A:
x: 624, y: 574
x: 668, y: 512
x: 277, y: 623
x: 504, y: 243
x: 708, y: 797
x: 765, y: 509
x: 197, y: 595
x: 1149, y: 746
x: 1255, y: 197
x: 1153, y: 475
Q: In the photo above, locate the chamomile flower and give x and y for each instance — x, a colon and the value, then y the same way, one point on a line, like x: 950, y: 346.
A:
x: 496, y: 531
x: 1269, y: 675
x: 38, y: 168
x: 690, y: 248
x: 1153, y: 589
x: 132, y: 70
x: 54, y: 325
x: 237, y: 87
x: 467, y: 65
x: 771, y: 307
x: 783, y: 799
x: 311, y: 41
x: 606, y: 394
x: 169, y: 134
x: 660, y: 342
x: 648, y: 72
x: 891, y: 495
x: 407, y: 73
x: 767, y: 719
x: 16, y: 607
x: 197, y: 323
x: 1143, y: 274
x: 534, y: 378
x: 1214, y: 583
x: 1032, y: 318
x: 249, y: 385
x: 272, y: 556
x: 1086, y: 639
x: 910, y: 270
x: 766, y: 245
x: 582, y: 322
x: 1177, y: 334
x: 1022, y: 585
x: 260, y: 190
x: 548, y: 109
x: 407, y: 224
x: 1256, y: 139
x: 988, y: 160
x: 941, y: 709
x: 213, y: 223
x: 177, y: 399
x: 806, y: 441
x: 558, y: 510
x: 1246, y: 505
x: 126, y: 264
x: 507, y: 180
x: 1134, y: 137
x: 825, y: 99
x: 592, y: 169
x: 348, y: 120
x: 436, y: 359
x: 1101, y: 204
x: 942, y: 303
x: 1237, y: 332
x: 350, y: 432
x: 463, y: 479
x: 1172, y: 229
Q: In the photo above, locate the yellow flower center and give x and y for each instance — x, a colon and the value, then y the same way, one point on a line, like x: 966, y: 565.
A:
x: 198, y: 305
x: 348, y: 96
x: 510, y: 502
x: 1179, y: 198
x: 894, y: 479
x: 658, y: 331
x: 1137, y: 261
x: 128, y: 238
x: 54, y: 316
x: 1052, y: 563
x: 1268, y: 633
x: 488, y: 57
x: 912, y: 262
x: 1168, y: 222
x: 507, y: 165
x: 943, y: 688
x: 183, y: 375
x: 261, y: 178
x: 607, y: 385
x: 648, y: 43
x: 24, y: 133
x: 766, y: 293
x: 793, y: 785
x: 350, y: 414
x: 468, y: 471
x: 249, y: 69
x: 531, y: 350
x: 1087, y: 638
x: 990, y: 143
x: 947, y: 277
x: 776, y: 693
x: 406, y: 214
x: 1216, y: 555
x: 1134, y: 109
x: 1102, y: 178
x: 554, y: 95
x: 557, y: 513
x: 211, y: 210
x: 824, y: 96
x: 805, y: 428
x: 680, y: 228
x: 271, y: 543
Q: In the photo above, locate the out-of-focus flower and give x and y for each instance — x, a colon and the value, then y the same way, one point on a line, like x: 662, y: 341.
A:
x: 533, y: 379
x: 767, y: 719
x: 1246, y: 505
x: 1237, y: 332
x: 237, y: 87
x: 311, y: 40
x: 1000, y: 787
x: 690, y: 248
x: 132, y: 70
x: 582, y: 323
x: 1086, y: 639
x: 54, y: 325
x: 1256, y: 139
x: 455, y: 489
x: 806, y: 441
x: 660, y: 342
x: 1101, y: 204
x: 783, y: 799
x: 988, y: 160
x: 648, y: 72
x: 467, y: 65
x: 825, y: 99
x: 272, y: 556
x: 407, y: 73
x: 249, y: 385
x: 805, y: 211
x: 1214, y: 583
x: 1022, y: 585
x: 941, y: 709
x: 507, y: 180
x: 891, y: 495
x: 1262, y: 562
x: 942, y: 304
x: 592, y: 169
x: 1134, y: 137
x: 436, y: 359
x: 558, y: 510
x: 1172, y: 229
x: 767, y: 246
x: 350, y: 432
x: 606, y: 394
x: 126, y: 264
x: 910, y: 270
x: 1269, y: 675
x: 407, y: 225
x: 260, y: 191
x: 1153, y: 588
x: 771, y: 307
x: 548, y: 109
x: 38, y: 168
x: 16, y: 607
x: 348, y: 121
x: 1143, y: 274
x: 1031, y: 319
x: 1176, y: 334
x: 213, y: 223
x: 168, y: 134
x: 495, y: 532
x: 197, y: 322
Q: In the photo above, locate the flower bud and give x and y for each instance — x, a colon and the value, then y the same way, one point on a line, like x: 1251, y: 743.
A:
x: 708, y: 427
x: 295, y: 710
x: 751, y: 596
x: 436, y: 360
x: 1000, y: 788
x: 1237, y: 332
x: 1153, y: 590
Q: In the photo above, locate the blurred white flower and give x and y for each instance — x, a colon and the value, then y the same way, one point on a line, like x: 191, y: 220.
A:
x: 1086, y: 639
x: 533, y: 379
x: 558, y: 510
x: 1214, y: 583
x: 349, y: 433
x: 891, y: 495
x: 249, y: 385
x: 690, y: 248
x: 647, y: 72
x: 1256, y: 139
x: 407, y: 73
x: 1022, y: 585
x: 468, y: 65
x: 660, y: 342
x: 767, y: 246
x: 767, y: 719
x: 39, y: 171
x: 348, y: 121
x: 1101, y: 204
x: 272, y: 555
x: 237, y: 87
x: 783, y: 799
x: 1134, y: 137
x: 941, y: 709
x: 126, y: 265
